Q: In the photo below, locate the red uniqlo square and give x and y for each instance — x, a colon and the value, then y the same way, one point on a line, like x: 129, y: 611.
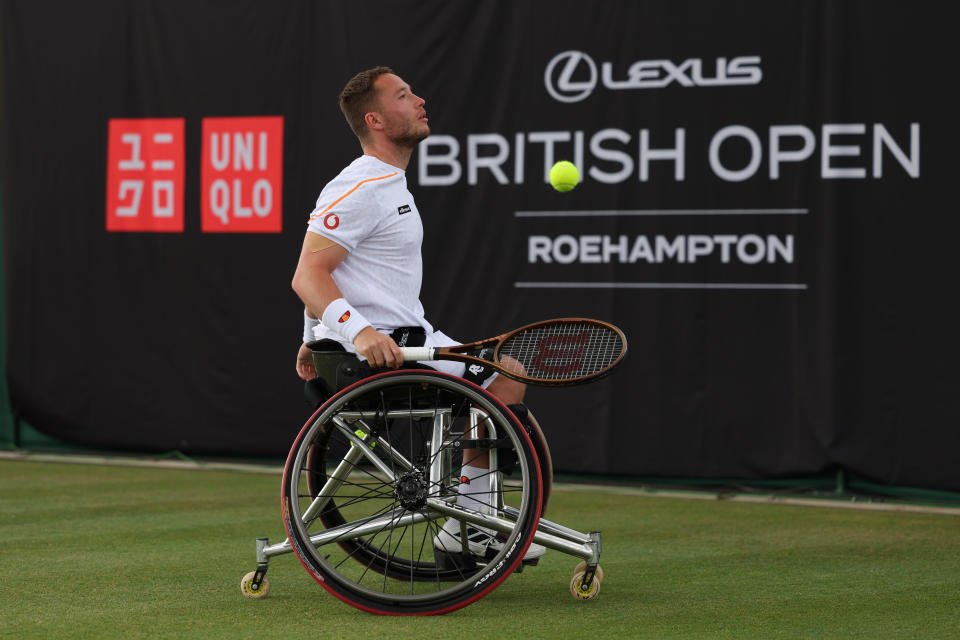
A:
x: 241, y: 175
x: 145, y: 174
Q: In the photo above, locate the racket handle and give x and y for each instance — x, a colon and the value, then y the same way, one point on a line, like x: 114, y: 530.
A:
x: 415, y: 354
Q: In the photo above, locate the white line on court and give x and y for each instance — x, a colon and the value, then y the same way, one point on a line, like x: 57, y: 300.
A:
x: 864, y: 504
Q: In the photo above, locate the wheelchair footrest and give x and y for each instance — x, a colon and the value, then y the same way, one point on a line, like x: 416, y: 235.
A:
x: 447, y: 561
x: 454, y: 561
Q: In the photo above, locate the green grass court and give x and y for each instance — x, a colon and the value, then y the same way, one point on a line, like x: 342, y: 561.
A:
x: 95, y: 551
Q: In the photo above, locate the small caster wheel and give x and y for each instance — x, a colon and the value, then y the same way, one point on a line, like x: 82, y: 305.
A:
x: 576, y: 584
x: 246, y: 586
x: 583, y: 567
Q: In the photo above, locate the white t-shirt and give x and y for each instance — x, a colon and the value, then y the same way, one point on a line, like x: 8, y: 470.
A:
x: 368, y: 210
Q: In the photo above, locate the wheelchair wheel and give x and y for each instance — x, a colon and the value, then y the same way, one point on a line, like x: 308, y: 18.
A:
x: 540, y: 446
x: 372, y: 478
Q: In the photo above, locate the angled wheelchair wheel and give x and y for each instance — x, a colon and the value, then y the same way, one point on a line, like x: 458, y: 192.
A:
x: 372, y: 478
x: 542, y: 449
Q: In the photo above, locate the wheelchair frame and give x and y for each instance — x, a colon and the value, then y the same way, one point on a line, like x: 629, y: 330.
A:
x: 373, y: 475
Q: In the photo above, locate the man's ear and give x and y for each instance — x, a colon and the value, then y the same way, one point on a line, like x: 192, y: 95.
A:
x: 373, y: 120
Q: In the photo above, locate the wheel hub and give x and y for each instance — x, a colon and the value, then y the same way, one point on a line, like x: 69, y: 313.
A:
x: 411, y: 491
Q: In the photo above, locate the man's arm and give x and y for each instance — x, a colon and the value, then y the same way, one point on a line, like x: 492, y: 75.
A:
x: 315, y: 286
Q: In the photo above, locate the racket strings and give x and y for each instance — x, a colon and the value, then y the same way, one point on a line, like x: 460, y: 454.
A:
x: 562, y: 350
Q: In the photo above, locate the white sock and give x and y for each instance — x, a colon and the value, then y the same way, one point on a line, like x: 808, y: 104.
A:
x: 474, y: 493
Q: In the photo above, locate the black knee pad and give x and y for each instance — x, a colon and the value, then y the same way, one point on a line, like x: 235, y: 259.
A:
x: 507, y: 456
x: 520, y: 410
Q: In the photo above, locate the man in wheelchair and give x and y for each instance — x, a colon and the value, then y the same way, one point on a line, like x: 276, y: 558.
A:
x: 360, y: 271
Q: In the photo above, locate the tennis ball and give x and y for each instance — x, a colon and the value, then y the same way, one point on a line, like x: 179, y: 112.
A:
x: 564, y: 176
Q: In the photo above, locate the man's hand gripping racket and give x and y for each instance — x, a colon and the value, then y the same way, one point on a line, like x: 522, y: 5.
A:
x: 565, y: 351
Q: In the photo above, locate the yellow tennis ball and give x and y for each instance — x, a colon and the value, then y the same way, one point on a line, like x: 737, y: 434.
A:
x: 564, y: 176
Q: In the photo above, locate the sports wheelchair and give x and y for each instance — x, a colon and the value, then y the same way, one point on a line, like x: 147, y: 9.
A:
x: 374, y: 474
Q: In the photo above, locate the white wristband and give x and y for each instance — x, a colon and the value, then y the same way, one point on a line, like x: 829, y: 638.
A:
x: 308, y: 325
x: 344, y: 320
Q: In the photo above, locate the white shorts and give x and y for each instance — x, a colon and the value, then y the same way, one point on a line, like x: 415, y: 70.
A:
x: 459, y: 369
x: 454, y: 368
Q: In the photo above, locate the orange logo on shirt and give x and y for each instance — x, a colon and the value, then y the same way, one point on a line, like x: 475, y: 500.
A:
x: 344, y: 317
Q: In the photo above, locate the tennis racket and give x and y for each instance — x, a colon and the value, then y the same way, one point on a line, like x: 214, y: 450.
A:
x: 565, y: 351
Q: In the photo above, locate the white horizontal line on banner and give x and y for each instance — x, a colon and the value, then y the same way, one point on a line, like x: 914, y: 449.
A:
x: 661, y: 212
x: 659, y: 285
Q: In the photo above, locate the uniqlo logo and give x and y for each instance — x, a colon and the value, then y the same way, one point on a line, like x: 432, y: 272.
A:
x: 241, y: 175
x: 145, y: 161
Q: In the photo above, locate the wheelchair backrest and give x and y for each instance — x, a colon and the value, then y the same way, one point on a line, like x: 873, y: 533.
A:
x: 335, y: 367
x: 336, y: 370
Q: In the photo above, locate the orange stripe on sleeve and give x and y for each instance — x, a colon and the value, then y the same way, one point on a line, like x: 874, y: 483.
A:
x: 316, y: 215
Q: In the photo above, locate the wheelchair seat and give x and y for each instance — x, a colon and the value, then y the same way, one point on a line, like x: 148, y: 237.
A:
x: 337, y: 369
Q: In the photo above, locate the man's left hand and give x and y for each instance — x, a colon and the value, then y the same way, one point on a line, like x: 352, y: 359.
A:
x: 305, y: 368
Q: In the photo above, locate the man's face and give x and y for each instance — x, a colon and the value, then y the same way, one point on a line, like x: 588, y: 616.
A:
x: 402, y: 112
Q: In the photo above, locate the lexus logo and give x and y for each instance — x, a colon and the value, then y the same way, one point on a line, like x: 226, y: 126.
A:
x: 571, y: 76
x: 559, y: 77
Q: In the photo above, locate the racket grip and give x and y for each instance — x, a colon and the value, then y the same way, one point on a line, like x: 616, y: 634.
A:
x: 415, y: 354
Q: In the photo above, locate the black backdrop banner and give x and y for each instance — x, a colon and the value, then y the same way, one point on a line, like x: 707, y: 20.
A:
x: 767, y: 210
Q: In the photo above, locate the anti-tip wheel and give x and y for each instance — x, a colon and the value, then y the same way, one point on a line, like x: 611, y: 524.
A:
x: 246, y: 586
x: 576, y: 585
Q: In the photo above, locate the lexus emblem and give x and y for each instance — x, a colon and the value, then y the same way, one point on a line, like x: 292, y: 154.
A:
x: 560, y: 74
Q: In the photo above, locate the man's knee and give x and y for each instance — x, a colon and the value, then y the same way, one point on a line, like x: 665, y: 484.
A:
x: 507, y: 390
